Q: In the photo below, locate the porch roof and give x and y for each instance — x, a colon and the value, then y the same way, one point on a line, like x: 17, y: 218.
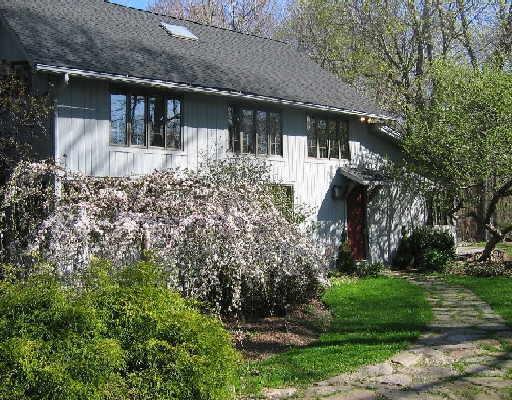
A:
x: 363, y: 175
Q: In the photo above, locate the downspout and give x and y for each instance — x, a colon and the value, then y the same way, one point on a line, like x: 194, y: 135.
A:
x: 56, y: 132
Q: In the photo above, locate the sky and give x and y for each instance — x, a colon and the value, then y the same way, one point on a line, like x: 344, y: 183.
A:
x: 132, y: 3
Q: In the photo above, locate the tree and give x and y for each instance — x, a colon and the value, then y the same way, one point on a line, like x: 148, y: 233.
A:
x: 24, y: 123
x: 249, y: 16
x: 463, y: 137
x: 386, y: 47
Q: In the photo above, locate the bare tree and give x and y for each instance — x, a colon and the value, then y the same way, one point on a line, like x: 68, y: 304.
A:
x: 387, y: 46
x: 259, y: 17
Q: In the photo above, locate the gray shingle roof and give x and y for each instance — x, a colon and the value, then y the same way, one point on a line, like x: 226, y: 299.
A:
x: 95, y: 35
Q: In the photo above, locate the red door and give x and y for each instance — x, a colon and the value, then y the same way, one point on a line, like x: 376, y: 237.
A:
x: 356, y: 221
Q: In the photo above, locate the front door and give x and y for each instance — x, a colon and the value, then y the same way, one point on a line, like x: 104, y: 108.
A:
x: 356, y: 222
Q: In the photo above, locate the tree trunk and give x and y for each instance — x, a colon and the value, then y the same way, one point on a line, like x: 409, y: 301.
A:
x: 490, y: 246
x: 497, y: 235
x: 466, y: 35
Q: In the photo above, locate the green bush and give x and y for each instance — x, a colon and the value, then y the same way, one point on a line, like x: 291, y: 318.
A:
x: 123, y: 335
x: 345, y: 263
x: 365, y: 269
x: 436, y: 260
x: 426, y: 248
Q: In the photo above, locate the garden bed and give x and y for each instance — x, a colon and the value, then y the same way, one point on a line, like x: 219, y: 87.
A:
x: 263, y: 338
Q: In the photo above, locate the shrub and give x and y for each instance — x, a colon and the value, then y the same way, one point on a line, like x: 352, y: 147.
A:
x: 426, y: 248
x: 123, y: 335
x: 368, y: 269
x: 216, y: 231
x: 346, y: 265
x: 436, y: 260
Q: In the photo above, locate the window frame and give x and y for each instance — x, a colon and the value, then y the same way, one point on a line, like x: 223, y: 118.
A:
x: 147, y: 126
x: 311, y: 122
x: 234, y: 111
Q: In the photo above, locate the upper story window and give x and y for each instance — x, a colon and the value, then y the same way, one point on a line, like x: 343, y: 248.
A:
x: 145, y: 121
x: 327, y: 138
x: 253, y: 131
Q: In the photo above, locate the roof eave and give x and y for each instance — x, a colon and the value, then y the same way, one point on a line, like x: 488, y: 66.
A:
x: 185, y: 87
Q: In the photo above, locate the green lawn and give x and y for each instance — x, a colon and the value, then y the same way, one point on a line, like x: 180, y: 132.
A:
x: 495, y: 291
x: 372, y: 320
x: 506, y: 247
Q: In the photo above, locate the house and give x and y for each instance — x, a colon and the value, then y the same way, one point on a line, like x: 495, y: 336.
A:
x: 137, y: 91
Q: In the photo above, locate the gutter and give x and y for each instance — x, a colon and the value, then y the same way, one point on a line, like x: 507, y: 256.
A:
x: 200, y: 89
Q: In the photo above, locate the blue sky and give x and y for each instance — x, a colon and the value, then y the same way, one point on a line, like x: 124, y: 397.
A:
x: 132, y: 3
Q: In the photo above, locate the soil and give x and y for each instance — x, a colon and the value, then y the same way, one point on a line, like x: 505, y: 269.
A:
x: 260, y: 339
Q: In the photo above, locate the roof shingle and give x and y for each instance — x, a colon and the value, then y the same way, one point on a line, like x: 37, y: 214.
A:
x: 96, y: 35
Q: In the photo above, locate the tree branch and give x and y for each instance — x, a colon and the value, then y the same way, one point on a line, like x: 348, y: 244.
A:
x: 466, y: 36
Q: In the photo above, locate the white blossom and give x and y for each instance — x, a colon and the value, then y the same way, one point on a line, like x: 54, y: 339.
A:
x: 216, y: 231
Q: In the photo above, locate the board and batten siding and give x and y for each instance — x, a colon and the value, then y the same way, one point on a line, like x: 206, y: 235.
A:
x: 82, y: 144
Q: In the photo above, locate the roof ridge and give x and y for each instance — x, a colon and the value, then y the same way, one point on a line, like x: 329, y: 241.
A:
x: 196, y: 22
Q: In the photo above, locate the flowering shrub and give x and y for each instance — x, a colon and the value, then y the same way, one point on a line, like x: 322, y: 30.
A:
x: 123, y: 335
x: 216, y: 232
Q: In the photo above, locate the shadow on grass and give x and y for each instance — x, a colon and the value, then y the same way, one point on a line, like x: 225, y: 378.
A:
x: 375, y: 319
x: 372, y: 320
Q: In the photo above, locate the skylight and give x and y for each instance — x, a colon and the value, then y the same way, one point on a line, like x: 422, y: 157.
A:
x: 178, y: 31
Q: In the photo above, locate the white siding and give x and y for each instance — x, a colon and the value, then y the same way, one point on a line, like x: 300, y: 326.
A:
x: 369, y: 148
x: 391, y: 212
x: 83, y: 145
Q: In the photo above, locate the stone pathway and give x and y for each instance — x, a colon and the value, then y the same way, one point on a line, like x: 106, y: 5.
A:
x: 466, y: 353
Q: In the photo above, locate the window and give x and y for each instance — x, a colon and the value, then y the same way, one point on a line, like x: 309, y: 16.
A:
x: 286, y: 193
x: 254, y: 131
x: 118, y: 133
x: 143, y: 121
x: 173, y: 124
x: 156, y: 121
x: 327, y: 138
x: 136, y: 120
x: 283, y: 199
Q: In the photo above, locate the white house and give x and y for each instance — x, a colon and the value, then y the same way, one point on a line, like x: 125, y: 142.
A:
x: 138, y: 91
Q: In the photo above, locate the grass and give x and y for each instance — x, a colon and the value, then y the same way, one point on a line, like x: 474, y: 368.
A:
x: 497, y: 292
x: 372, y: 320
x: 506, y: 247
